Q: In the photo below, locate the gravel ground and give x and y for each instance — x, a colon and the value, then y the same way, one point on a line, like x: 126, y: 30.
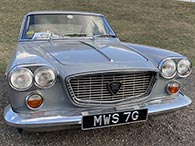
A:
x: 173, y: 129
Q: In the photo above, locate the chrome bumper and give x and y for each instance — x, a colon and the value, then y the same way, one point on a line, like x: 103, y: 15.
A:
x: 60, y: 118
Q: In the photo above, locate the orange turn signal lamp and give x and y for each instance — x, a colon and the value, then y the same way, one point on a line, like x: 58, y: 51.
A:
x: 34, y: 101
x: 173, y: 87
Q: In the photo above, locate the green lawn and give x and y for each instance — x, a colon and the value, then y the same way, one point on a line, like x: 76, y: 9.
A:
x: 167, y: 24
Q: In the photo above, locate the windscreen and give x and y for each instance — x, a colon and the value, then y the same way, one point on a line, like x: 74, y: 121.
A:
x: 64, y: 26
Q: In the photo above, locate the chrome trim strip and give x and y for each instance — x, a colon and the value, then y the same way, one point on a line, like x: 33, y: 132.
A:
x: 26, y: 120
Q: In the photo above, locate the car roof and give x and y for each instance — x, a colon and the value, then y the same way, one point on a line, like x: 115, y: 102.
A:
x: 63, y: 12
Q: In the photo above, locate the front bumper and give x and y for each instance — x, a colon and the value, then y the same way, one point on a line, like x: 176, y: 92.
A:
x: 61, y: 118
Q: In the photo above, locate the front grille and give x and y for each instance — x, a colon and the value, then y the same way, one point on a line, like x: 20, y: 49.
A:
x: 93, y: 88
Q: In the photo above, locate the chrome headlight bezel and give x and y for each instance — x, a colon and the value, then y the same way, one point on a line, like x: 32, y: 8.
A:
x: 170, y: 62
x: 17, y: 69
x: 48, y: 70
x: 189, y: 67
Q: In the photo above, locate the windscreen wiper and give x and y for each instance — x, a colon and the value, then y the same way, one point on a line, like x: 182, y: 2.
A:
x: 56, y: 36
x: 104, y: 35
x: 76, y: 34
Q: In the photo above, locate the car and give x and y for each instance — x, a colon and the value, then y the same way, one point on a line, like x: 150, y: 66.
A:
x: 70, y: 69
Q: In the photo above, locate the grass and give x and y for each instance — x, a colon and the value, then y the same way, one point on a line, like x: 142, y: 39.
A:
x: 167, y: 24
x: 2, y: 66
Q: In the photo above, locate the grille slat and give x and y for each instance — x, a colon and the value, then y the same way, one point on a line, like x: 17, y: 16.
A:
x: 99, y: 83
x: 107, y: 95
x: 93, y: 88
x: 99, y: 90
x: 99, y: 80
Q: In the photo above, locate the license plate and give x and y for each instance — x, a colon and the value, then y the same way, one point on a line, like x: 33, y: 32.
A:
x: 112, y: 119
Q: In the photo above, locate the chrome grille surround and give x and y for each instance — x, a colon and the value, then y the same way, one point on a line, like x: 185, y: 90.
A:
x: 92, y: 89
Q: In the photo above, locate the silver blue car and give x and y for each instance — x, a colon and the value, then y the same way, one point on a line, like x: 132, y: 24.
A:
x: 70, y: 68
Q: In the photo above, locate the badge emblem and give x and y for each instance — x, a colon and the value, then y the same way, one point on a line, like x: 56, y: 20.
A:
x: 114, y: 87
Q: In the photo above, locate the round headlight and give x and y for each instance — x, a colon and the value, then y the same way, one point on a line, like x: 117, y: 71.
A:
x: 168, y: 69
x: 184, y: 68
x: 21, y: 78
x: 45, y: 77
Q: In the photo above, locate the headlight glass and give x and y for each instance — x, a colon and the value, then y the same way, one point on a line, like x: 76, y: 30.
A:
x: 45, y: 77
x: 184, y: 68
x: 21, y: 78
x: 168, y: 69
